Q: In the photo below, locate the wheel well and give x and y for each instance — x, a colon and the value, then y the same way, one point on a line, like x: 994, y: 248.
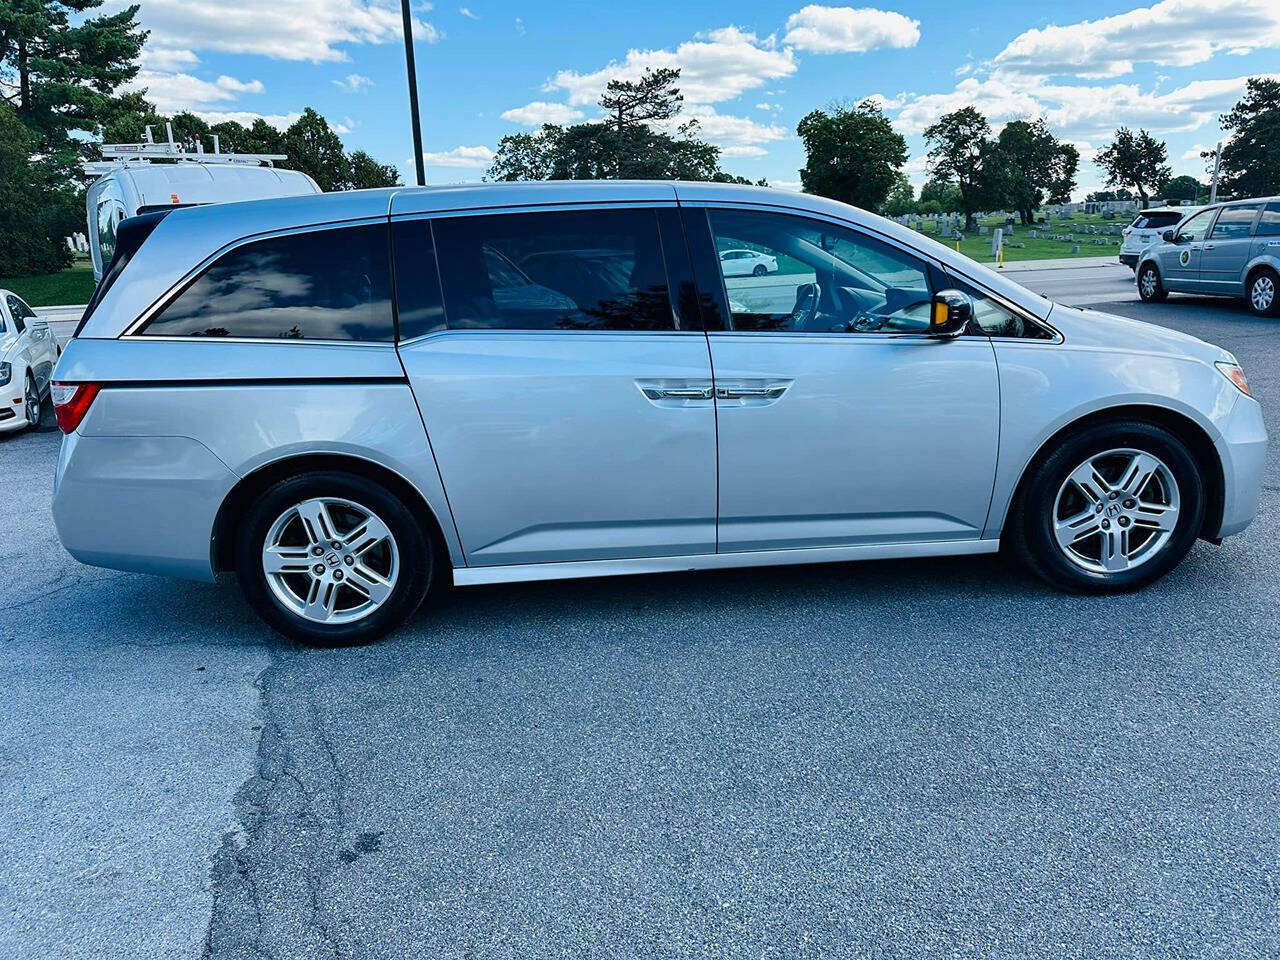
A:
x: 1257, y: 268
x: 1183, y: 427
x: 225, y: 530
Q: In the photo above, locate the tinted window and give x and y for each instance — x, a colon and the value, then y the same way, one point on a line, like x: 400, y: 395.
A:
x: 1269, y: 225
x: 1234, y: 222
x: 322, y: 285
x: 1156, y: 221
x: 1197, y: 226
x: 579, y: 270
x: 20, y: 311
x: 994, y: 320
x: 817, y: 277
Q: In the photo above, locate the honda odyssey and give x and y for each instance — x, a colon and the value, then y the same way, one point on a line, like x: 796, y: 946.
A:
x: 345, y: 397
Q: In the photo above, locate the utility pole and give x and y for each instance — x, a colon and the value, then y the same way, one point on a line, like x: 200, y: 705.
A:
x: 413, y: 93
x: 1217, y: 165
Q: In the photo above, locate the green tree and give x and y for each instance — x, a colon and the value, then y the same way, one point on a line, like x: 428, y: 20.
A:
x: 852, y: 154
x: 901, y: 199
x: 1184, y: 188
x: 654, y: 98
x: 316, y: 150
x: 961, y: 152
x: 365, y: 172
x: 1250, y: 161
x: 1136, y: 160
x: 62, y: 68
x: 602, y: 151
x: 1038, y: 167
x: 34, y: 218
x: 946, y: 196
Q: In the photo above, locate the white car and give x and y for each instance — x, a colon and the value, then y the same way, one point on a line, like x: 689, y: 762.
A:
x: 1147, y: 228
x: 747, y: 263
x: 28, y: 353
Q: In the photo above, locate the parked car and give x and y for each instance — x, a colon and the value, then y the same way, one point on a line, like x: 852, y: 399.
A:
x: 327, y: 396
x: 28, y: 353
x: 1147, y: 229
x: 747, y: 263
x: 1229, y: 250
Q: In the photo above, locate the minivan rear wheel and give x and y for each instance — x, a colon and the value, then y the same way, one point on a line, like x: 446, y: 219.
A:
x: 1113, y: 508
x: 1263, y: 294
x: 331, y: 559
x: 1150, y: 287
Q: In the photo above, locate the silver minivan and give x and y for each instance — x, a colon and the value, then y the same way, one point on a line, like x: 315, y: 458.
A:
x: 345, y: 397
x: 1229, y: 250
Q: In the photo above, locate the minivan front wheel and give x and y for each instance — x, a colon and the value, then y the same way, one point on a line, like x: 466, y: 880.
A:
x: 332, y: 559
x: 1115, y: 507
x: 1150, y: 287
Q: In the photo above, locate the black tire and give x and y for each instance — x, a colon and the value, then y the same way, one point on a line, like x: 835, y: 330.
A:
x: 30, y: 390
x: 1262, y: 282
x: 1154, y: 291
x: 760, y: 270
x: 416, y: 558
x: 1033, y: 515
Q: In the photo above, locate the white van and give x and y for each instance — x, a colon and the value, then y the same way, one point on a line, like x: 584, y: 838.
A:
x: 133, y: 182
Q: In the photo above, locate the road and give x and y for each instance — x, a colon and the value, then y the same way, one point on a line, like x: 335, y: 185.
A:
x: 883, y: 760
x: 1080, y: 286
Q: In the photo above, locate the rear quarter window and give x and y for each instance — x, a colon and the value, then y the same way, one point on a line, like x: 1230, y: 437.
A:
x: 332, y: 284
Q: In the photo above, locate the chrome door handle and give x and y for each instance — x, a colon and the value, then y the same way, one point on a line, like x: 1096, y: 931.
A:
x: 1208, y: 246
x: 751, y: 393
x: 677, y: 393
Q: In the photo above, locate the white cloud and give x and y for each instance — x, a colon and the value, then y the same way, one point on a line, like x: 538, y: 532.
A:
x: 466, y: 12
x: 1077, y: 111
x: 315, y: 30
x: 167, y: 60
x: 354, y: 83
x: 744, y: 151
x: 795, y: 186
x: 714, y: 67
x: 473, y: 157
x: 174, y: 92
x: 1176, y: 33
x: 819, y: 29
x: 520, y: 29
x: 1193, y: 155
x: 246, y: 118
x: 727, y: 130
x: 539, y: 112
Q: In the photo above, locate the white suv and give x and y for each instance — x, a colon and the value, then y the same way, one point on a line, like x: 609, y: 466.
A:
x: 1147, y: 228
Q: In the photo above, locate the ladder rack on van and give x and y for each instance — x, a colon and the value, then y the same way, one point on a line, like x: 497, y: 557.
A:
x: 115, y: 154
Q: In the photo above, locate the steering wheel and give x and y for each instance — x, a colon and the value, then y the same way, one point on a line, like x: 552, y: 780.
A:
x: 808, y: 296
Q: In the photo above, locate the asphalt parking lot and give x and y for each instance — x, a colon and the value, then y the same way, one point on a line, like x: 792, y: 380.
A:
x: 925, y: 758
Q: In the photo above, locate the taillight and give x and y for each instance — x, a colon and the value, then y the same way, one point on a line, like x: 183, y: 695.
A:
x: 71, y: 402
x: 1126, y: 231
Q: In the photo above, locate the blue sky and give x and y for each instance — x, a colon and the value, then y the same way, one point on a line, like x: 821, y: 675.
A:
x: 750, y: 70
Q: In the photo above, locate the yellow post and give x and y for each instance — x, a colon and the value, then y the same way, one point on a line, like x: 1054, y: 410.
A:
x: 957, y: 246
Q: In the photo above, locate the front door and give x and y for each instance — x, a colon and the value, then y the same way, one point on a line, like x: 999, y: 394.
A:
x: 840, y: 422
x: 1226, y: 251
x: 566, y: 396
x: 1180, y: 262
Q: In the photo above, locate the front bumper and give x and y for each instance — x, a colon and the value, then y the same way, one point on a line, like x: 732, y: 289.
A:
x: 1244, y: 454
x: 143, y: 504
x: 12, y: 406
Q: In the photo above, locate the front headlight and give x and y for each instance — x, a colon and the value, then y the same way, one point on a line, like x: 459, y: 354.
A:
x: 1231, y: 370
x: 6, y: 372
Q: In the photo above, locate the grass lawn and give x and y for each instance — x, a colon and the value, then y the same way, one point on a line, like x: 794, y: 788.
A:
x: 71, y: 286
x: 979, y: 248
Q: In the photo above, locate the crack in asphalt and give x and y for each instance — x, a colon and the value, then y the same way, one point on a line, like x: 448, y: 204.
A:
x: 290, y: 839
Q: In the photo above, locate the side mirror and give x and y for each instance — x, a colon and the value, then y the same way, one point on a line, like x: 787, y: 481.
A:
x: 950, y: 314
x: 1170, y: 236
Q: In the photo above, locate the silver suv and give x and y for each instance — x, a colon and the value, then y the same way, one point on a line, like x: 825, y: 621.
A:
x: 344, y: 397
x: 1229, y: 250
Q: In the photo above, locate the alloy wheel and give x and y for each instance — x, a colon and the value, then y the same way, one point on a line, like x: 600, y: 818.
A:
x: 330, y: 560
x: 1263, y: 293
x: 32, y: 403
x: 1116, y: 511
x: 1147, y: 283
